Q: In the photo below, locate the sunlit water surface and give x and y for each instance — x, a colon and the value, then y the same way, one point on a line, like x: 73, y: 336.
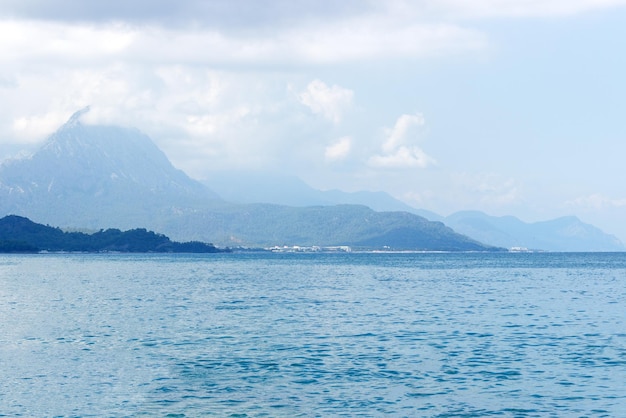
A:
x: 313, y: 335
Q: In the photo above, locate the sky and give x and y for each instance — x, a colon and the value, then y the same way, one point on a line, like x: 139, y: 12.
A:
x: 511, y: 107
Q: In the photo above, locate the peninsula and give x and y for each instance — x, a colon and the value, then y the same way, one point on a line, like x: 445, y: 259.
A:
x: 21, y: 235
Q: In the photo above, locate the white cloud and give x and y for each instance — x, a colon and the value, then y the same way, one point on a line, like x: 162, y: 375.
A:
x: 402, y: 157
x: 277, y: 14
x: 397, y: 151
x: 363, y: 38
x: 481, y: 9
x: 417, y: 198
x: 220, y: 13
x: 225, y: 14
x: 202, y: 119
x: 377, y: 37
x: 339, y: 149
x: 596, y: 201
x: 488, y: 188
x: 33, y: 128
x: 43, y: 100
x: 133, y: 71
x: 398, y: 135
x: 331, y: 102
x: 28, y: 42
x: 210, y: 124
x: 542, y: 8
x: 305, y: 34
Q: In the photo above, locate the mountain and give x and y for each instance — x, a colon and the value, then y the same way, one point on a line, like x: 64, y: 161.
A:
x: 351, y: 225
x: 274, y: 188
x: 561, y: 234
x: 19, y: 234
x: 99, y: 177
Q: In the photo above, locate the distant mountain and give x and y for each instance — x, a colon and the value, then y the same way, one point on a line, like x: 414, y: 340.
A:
x: 112, y: 177
x: 99, y: 175
x: 274, y: 188
x: 351, y: 225
x: 19, y: 234
x: 561, y: 234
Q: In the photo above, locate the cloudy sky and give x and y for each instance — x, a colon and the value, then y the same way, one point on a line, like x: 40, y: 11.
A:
x: 513, y: 107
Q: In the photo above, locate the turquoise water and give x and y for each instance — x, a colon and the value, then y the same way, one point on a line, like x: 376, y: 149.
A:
x: 461, y: 335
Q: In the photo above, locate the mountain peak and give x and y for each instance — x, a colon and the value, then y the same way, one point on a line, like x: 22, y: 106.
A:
x: 96, y: 169
x: 75, y: 118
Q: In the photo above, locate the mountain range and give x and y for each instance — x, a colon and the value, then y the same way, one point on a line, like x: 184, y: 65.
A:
x: 566, y: 233
x: 95, y: 177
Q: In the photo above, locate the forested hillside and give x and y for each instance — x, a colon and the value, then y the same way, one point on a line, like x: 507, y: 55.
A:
x: 19, y: 234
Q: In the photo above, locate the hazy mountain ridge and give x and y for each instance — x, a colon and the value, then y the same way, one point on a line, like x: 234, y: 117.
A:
x: 112, y: 177
x: 566, y: 233
x: 278, y: 189
x: 561, y: 234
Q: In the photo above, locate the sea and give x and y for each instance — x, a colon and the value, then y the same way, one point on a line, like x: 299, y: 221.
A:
x: 313, y: 335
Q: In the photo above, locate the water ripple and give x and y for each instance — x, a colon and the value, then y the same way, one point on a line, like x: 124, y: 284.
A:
x: 443, y: 335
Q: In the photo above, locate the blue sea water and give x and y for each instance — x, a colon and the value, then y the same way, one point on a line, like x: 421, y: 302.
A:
x: 255, y: 335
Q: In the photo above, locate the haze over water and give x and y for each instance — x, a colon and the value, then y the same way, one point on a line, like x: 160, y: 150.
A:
x: 313, y: 335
